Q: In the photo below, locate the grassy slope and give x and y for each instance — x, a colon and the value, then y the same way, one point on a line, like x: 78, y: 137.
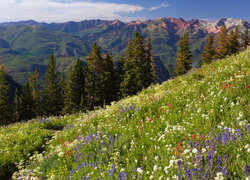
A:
x: 145, y: 135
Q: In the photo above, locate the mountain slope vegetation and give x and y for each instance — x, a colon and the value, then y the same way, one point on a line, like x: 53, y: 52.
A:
x: 193, y: 126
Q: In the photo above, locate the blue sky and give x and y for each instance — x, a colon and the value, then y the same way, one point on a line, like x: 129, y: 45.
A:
x: 124, y: 10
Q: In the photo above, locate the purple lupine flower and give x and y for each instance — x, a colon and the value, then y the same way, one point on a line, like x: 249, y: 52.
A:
x: 122, y: 176
x: 217, y: 137
x: 179, y: 163
x: 247, y: 170
x: 218, y: 163
x: 239, y: 134
x: 200, y: 173
x: 189, y: 174
x: 227, y: 133
x: 248, y: 128
x: 179, y: 175
x: 224, y: 139
x: 232, y: 138
x: 224, y: 170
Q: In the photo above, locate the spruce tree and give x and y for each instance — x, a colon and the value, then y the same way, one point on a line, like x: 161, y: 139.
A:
x: 108, y: 81
x: 150, y: 65
x: 233, y: 43
x: 222, y: 45
x: 209, y: 51
x: 35, y: 92
x: 74, y: 93
x: 93, y: 71
x: 5, y: 105
x: 120, y: 75
x: 16, y: 107
x: 52, y: 89
x: 62, y: 90
x: 245, y: 40
x: 26, y: 103
x: 183, y: 58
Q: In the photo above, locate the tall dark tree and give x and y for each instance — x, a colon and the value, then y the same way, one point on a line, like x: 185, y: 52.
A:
x: 138, y: 66
x: 245, y: 40
x: 222, y: 48
x: 5, y: 107
x: 233, y: 42
x: 92, y: 72
x: 209, y: 51
x: 108, y: 81
x: 52, y: 89
x: 183, y: 58
x: 26, y: 103
x: 16, y: 107
x: 35, y: 92
x: 74, y: 93
x: 149, y: 65
x: 62, y: 90
x: 120, y: 74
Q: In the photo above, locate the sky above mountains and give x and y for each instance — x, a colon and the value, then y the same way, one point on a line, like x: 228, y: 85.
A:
x: 124, y: 10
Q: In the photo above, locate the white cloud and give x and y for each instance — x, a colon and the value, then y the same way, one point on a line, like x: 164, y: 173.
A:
x: 58, y: 11
x: 162, y: 5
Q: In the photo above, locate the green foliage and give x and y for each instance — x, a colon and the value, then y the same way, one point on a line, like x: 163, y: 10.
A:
x: 138, y: 67
x: 233, y: 42
x: 183, y: 57
x: 74, y: 92
x: 16, y: 107
x: 52, y: 90
x: 27, y: 103
x: 35, y: 93
x: 209, y: 51
x: 5, y: 107
x: 222, y: 48
x: 245, y: 40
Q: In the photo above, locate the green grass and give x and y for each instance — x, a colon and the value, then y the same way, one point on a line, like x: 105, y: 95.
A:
x: 204, y: 114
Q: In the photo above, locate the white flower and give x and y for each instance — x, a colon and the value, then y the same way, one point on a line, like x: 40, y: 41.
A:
x: 219, y: 176
x: 139, y: 170
x: 156, y: 158
x: 186, y: 151
x: 203, y: 150
x: 195, y: 151
x: 155, y: 168
x: 151, y: 177
x: 122, y: 170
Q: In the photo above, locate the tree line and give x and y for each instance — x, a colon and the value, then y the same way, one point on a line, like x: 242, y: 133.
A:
x: 227, y: 44
x: 96, y: 84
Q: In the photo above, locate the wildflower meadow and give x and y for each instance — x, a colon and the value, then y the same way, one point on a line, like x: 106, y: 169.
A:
x: 195, y: 126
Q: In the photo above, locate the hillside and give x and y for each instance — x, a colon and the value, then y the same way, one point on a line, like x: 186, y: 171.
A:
x: 196, y: 125
x: 26, y: 44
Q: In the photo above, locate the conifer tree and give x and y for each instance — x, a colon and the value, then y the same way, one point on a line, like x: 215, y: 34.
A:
x: 184, y: 55
x: 62, y: 90
x: 108, y: 78
x: 150, y: 65
x: 51, y: 91
x: 26, y: 103
x: 209, y: 51
x: 35, y: 92
x: 74, y: 93
x: 92, y: 71
x: 245, y: 40
x: 120, y: 74
x: 5, y: 106
x: 233, y: 43
x: 222, y: 45
x: 16, y: 107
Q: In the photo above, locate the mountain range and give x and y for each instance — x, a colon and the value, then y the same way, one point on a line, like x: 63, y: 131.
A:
x: 26, y: 45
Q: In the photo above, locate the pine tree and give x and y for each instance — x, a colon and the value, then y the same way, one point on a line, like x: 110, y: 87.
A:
x: 26, y: 103
x: 233, y: 43
x: 120, y: 75
x: 35, y: 92
x: 74, y: 89
x: 51, y: 91
x: 62, y: 90
x: 5, y: 106
x: 184, y: 55
x: 138, y: 67
x: 222, y: 45
x: 108, y: 78
x: 245, y: 40
x: 150, y: 65
x: 209, y: 51
x: 16, y: 107
x: 92, y: 72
